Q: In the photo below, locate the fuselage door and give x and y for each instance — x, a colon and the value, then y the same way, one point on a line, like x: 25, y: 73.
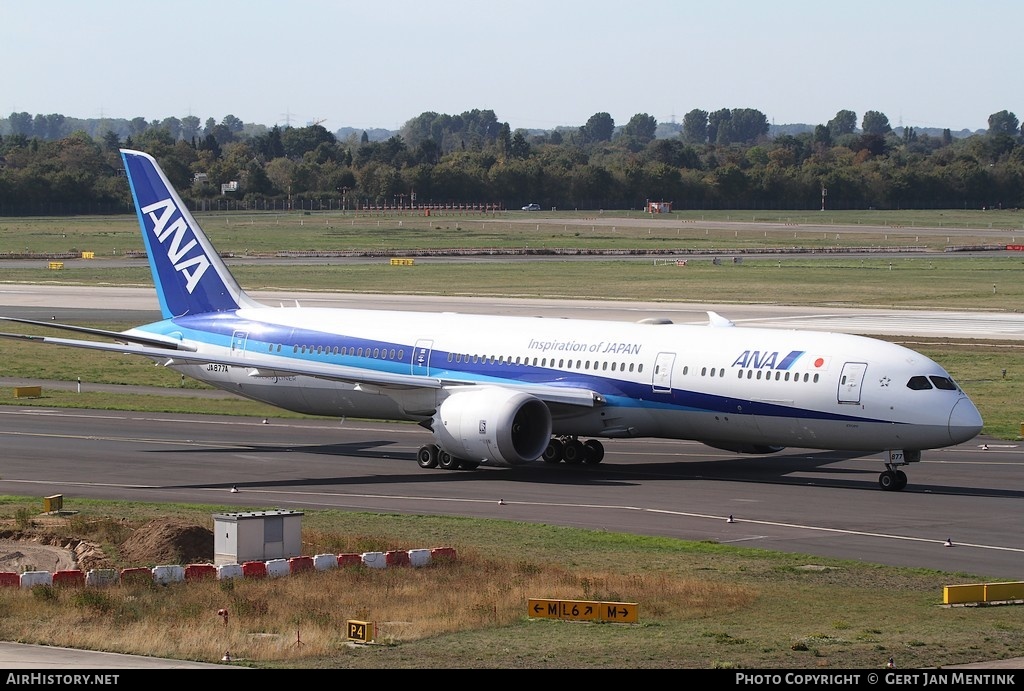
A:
x: 850, y: 381
x: 421, y: 356
x: 238, y: 340
x: 663, y: 372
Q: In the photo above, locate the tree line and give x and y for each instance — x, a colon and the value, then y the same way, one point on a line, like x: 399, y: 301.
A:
x: 724, y: 159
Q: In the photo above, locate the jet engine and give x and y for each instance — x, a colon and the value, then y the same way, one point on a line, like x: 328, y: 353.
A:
x: 493, y: 424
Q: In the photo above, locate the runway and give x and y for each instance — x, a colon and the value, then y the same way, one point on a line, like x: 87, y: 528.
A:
x: 811, y: 502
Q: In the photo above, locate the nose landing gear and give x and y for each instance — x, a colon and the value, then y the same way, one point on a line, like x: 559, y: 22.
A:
x: 892, y: 478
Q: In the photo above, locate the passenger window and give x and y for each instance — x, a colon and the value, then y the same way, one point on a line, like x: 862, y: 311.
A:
x: 919, y: 384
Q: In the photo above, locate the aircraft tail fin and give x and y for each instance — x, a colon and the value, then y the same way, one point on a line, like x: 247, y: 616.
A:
x: 189, y: 275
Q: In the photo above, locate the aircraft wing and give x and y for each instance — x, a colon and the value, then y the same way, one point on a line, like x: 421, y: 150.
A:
x: 260, y: 367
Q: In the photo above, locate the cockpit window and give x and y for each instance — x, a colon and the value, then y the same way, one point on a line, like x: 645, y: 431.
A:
x: 944, y: 383
x: 919, y: 383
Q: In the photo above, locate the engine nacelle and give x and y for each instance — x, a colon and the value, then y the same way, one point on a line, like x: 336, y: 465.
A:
x: 759, y: 449
x: 494, y: 425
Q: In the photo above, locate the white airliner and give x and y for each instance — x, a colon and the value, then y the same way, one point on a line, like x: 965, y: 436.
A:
x: 512, y: 390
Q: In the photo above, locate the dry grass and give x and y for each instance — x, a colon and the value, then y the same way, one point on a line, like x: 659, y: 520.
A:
x: 303, y: 617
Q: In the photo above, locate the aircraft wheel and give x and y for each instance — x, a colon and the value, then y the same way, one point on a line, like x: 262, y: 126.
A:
x: 446, y: 461
x: 574, y: 451
x: 427, y: 456
x: 468, y: 465
x: 901, y: 480
x: 553, y: 452
x: 593, y: 452
x: 887, y: 480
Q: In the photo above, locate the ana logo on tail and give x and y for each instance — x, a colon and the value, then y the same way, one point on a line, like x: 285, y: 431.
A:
x: 192, y: 268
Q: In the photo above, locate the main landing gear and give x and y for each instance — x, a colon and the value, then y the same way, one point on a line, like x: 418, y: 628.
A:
x: 568, y: 449
x: 573, y: 451
x: 430, y: 456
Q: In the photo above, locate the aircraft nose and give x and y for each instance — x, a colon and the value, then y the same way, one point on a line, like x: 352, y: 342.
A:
x: 964, y: 421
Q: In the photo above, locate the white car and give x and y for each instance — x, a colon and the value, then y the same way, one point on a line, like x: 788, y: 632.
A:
x: 531, y: 207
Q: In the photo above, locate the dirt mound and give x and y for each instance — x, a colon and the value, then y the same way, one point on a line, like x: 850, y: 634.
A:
x: 21, y: 551
x: 168, y: 541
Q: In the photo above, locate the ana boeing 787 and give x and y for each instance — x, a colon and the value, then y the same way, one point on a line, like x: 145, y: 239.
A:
x: 505, y: 391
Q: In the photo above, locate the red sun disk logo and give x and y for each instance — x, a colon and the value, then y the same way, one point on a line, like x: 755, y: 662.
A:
x: 819, y: 362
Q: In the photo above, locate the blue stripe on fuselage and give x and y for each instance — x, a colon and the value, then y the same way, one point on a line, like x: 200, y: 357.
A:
x: 789, y: 360
x: 317, y: 346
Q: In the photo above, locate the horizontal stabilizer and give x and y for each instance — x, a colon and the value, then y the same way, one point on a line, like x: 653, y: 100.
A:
x: 154, y: 341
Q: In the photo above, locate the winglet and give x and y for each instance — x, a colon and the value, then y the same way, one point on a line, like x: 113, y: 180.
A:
x: 189, y: 275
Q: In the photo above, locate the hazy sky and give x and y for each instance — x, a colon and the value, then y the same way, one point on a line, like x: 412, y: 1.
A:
x: 536, y: 64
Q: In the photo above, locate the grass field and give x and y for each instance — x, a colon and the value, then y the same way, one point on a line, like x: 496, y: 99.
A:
x: 266, y: 232
x: 994, y: 283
